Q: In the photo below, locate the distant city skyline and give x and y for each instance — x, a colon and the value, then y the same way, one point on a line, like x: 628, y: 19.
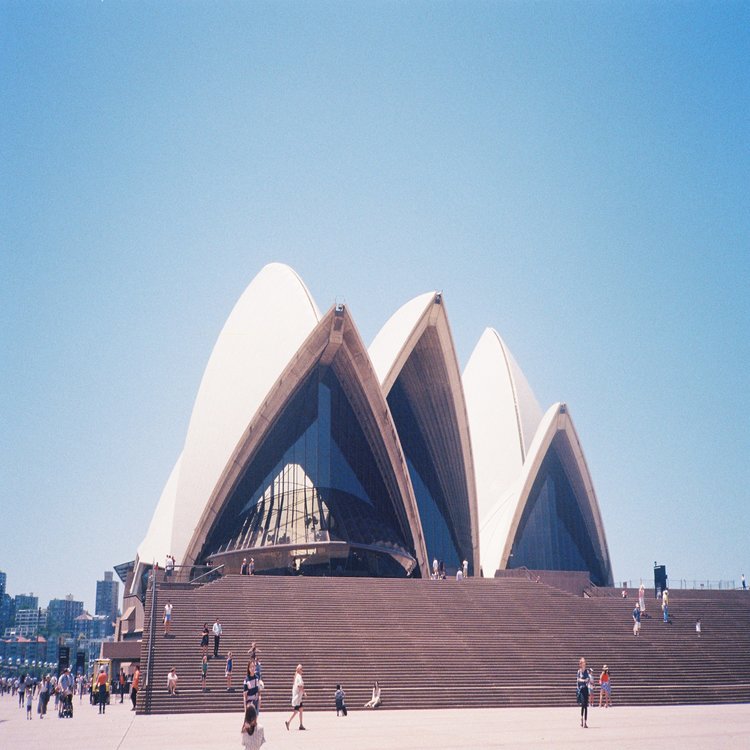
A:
x: 574, y: 175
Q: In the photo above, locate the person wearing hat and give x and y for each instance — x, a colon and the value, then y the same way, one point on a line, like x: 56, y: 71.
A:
x: 605, y: 689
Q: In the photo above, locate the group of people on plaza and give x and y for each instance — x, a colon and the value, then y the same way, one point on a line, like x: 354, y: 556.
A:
x: 586, y: 686
x: 63, y: 688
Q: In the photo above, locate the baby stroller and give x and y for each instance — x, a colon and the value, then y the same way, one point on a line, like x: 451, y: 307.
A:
x: 66, y: 705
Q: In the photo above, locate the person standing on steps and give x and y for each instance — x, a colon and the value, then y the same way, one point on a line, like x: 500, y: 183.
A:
x: 637, y: 619
x: 583, y: 681
x: 665, y: 605
x: 228, y: 670
x: 744, y: 583
x: 698, y: 627
x: 167, y: 617
x: 204, y: 639
x: 298, y: 698
x: 204, y: 672
x: 217, y: 636
x: 251, y: 566
x: 243, y: 567
x: 642, y: 597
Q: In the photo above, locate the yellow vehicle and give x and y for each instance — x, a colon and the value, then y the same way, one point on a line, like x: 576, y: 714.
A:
x: 98, y: 665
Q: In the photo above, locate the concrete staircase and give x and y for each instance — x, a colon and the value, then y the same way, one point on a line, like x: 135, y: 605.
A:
x: 474, y: 643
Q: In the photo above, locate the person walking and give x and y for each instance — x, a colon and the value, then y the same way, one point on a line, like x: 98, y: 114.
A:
x: 339, y: 697
x: 251, y: 686
x: 583, y: 681
x: 167, y: 617
x: 252, y: 732
x: 204, y: 672
x: 228, y: 670
x: 41, y: 707
x: 298, y: 698
x: 204, y: 639
x: 637, y: 619
x: 101, y: 690
x: 217, y: 636
x: 605, y: 688
x: 121, y: 679
x: 135, y: 685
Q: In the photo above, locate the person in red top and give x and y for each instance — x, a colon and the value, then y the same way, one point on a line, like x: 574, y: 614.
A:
x: 605, y: 689
x: 101, y: 686
x: 134, y: 686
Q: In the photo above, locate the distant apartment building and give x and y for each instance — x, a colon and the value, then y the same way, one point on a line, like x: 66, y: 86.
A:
x: 93, y: 627
x: 61, y: 614
x: 26, y: 601
x: 30, y: 621
x: 107, y: 596
x: 7, y: 610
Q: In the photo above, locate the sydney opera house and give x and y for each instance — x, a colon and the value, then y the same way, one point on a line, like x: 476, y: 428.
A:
x: 309, y: 451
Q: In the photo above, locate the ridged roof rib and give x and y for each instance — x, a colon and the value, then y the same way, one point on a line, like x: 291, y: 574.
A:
x: 415, y: 347
x: 335, y: 343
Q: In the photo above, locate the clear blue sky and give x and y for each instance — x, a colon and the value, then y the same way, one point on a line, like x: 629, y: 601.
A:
x: 573, y: 174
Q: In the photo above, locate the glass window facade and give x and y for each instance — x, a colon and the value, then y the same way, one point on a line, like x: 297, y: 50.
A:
x: 553, y: 533
x: 314, y: 481
x: 439, y: 538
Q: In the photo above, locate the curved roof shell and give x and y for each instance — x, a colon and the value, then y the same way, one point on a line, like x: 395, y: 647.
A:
x: 415, y: 348
x: 503, y: 416
x: 268, y: 324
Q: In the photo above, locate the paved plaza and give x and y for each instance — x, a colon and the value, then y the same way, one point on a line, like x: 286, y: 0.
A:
x: 683, y: 727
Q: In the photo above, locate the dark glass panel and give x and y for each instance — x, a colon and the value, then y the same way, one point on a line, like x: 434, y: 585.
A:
x: 314, y: 481
x: 439, y: 536
x: 553, y: 533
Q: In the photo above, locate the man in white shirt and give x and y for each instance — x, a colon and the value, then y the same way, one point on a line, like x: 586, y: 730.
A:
x: 217, y: 636
x: 167, y: 616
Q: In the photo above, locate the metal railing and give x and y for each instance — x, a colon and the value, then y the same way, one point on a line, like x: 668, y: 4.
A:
x: 150, y: 652
x: 187, y: 574
x: 691, y: 583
